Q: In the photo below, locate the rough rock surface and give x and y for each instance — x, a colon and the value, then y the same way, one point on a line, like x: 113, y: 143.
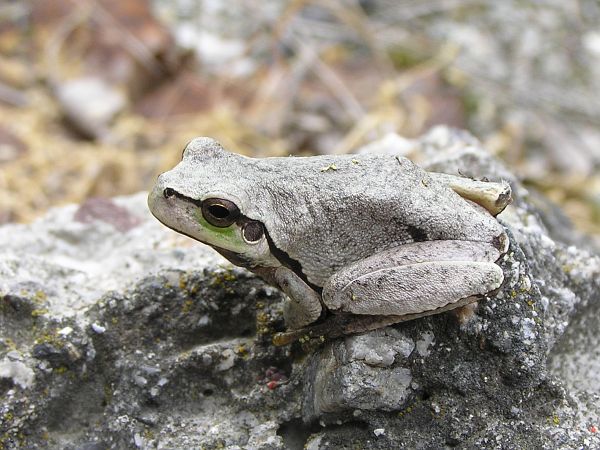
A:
x: 117, y: 333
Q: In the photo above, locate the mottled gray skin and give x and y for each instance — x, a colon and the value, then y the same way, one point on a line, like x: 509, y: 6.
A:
x: 322, y: 214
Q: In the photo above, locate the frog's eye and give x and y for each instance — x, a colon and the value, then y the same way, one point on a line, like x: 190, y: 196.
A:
x: 220, y: 212
x: 253, y: 231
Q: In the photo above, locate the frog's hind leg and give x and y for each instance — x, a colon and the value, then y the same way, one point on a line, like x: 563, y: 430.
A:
x: 339, y: 325
x: 404, y: 283
x: 414, y: 278
x: 491, y: 195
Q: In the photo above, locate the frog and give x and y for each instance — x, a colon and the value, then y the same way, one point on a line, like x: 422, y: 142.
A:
x: 356, y: 242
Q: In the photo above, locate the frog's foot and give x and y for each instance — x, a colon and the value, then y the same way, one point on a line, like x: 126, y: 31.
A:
x: 339, y: 325
x: 464, y: 314
x: 491, y: 195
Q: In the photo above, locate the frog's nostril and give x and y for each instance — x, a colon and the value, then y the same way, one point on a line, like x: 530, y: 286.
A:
x: 168, y: 192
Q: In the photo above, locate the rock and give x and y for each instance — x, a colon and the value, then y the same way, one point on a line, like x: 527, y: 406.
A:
x: 89, y: 104
x: 118, y: 337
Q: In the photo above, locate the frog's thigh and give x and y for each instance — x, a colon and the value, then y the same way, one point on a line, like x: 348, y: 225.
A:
x: 414, y: 278
x: 303, y: 305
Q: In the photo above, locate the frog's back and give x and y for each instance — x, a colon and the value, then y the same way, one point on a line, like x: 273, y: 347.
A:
x: 334, y: 210
x: 328, y: 211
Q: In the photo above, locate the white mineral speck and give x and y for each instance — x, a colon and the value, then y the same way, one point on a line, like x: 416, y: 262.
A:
x: 140, y: 381
x: 528, y: 331
x: 65, y: 331
x: 18, y: 372
x: 424, y: 343
x: 228, y: 360
x: 379, y: 347
x: 591, y: 42
x: 237, y: 309
x: 14, y: 355
x: 98, y: 328
x: 313, y: 443
x: 203, y: 321
x: 379, y: 431
x: 124, y: 419
x: 138, y: 440
x: 526, y: 283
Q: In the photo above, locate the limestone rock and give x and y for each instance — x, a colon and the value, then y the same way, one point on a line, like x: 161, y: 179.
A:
x: 130, y: 336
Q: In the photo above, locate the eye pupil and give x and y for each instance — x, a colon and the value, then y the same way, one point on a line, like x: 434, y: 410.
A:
x: 219, y: 212
x: 168, y: 192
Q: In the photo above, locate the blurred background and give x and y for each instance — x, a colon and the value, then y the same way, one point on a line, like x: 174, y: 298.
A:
x: 99, y: 96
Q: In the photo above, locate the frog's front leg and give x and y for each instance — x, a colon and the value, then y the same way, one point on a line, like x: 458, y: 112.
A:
x: 303, y: 305
x: 415, y: 278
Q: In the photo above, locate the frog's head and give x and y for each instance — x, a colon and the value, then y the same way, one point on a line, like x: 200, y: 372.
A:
x: 200, y: 199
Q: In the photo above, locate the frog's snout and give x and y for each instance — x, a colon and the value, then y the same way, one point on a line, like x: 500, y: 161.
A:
x: 156, y: 194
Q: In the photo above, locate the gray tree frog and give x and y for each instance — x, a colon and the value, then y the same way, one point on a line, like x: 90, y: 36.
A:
x: 356, y: 242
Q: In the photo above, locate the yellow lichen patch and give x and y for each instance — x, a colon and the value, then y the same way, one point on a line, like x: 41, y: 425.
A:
x: 187, y: 306
x: 182, y: 282
x: 304, y: 339
x: 554, y: 419
x: 530, y: 303
x: 9, y: 343
x: 39, y: 312
x: 222, y: 277
x: 242, y: 350
x: 330, y: 167
x: 405, y: 411
x: 50, y: 338
x: 263, y: 323
x: 40, y: 296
